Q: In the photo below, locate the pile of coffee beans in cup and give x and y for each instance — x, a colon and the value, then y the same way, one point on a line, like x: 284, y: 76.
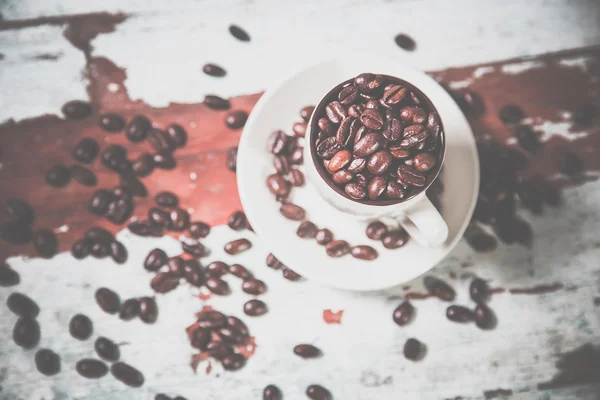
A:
x: 377, y: 138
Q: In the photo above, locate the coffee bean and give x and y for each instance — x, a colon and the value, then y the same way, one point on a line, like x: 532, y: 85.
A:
x: 479, y: 290
x: 272, y: 392
x: 393, y: 95
x: 240, y: 271
x: 91, y: 368
x: 108, y: 300
x: 569, y: 163
x: 413, y: 349
x: 273, y: 262
x: 22, y: 305
x: 290, y: 275
x: 214, y: 70
x: 372, y: 119
x: 368, y: 145
x: 511, y: 114
x: 405, y: 42
x: 459, y: 314
x: 47, y: 362
x: 164, y: 282
x: 26, y: 333
x: 193, y: 273
x: 217, y: 286
x: 342, y: 176
x: 236, y: 119
x: 335, y: 112
x: 211, y: 319
x: 307, y: 230
x: 97, y: 234
x: 145, y: 228
x: 399, y: 153
x: 479, y: 240
x: 339, y: 160
x: 58, y: 176
x: 413, y: 115
x: 410, y: 176
x: 114, y: 157
x: 439, y: 288
x: 299, y: 129
x: 328, y: 147
x: 8, y: 276
x: 337, y: 248
x: 306, y: 112
x: 98, y: 203
x: 137, y: 129
x: 277, y: 185
x: 318, y: 392
x: 217, y: 269
x: 584, y: 114
x: 180, y: 219
x: 326, y: 126
x: 107, y: 349
x: 76, y: 109
x: 148, y: 310
x: 254, y: 286
x: 363, y: 252
x: 237, y: 246
x: 218, y: 350
x: 404, y: 313
x: 484, y: 317
x: 414, y: 136
x: 281, y: 164
x: 159, y: 217
x: 237, y: 220
x: 100, y: 250
x: 164, y: 161
x: 277, y: 142
x: 234, y: 362
x: 379, y: 162
x: 177, y: 134
x: 118, y: 252
x: 176, y: 265
x: 424, y: 162
x: 292, y: 211
x: 215, y: 102
x: 81, y: 327
x: 357, y: 165
x: 232, y: 158
x: 355, y: 191
x: 368, y: 83
x: 199, y: 338
x: 160, y: 141
x: 112, y: 122
x: 255, y: 308
x: 86, y: 150
x: 239, y: 33
x: 83, y: 175
x: 130, y: 309
x: 307, y: 351
x: 127, y: 374
x: 527, y: 138
x: 45, y: 243
x: 376, y: 230
x: 166, y: 199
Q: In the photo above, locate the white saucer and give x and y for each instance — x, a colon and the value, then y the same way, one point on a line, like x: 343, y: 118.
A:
x: 279, y: 108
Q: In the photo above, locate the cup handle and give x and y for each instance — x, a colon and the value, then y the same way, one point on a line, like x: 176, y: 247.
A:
x: 424, y: 223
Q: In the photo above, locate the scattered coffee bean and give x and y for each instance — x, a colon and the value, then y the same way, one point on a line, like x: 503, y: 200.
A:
x: 291, y: 275
x: 484, y: 317
x: 98, y: 234
x: 91, y: 368
x: 58, y: 176
x: 584, y: 114
x: 299, y: 129
x: 277, y: 185
x: 76, y: 109
x: 137, y: 129
x: 324, y: 236
x: 306, y: 112
x: 143, y: 165
x: 160, y: 141
x: 459, y: 314
x: 98, y: 204
x: 394, y: 239
x: 83, y: 175
x: 107, y: 349
x: 240, y: 271
x: 216, y: 103
x: 81, y: 248
x: 148, y: 310
x: 108, y: 300
x: 176, y: 265
x: 177, y: 134
x: 234, y: 362
x: 199, y: 230
x: 145, y: 228
x: 81, y: 327
x: 255, y: 308
x: 217, y: 286
x: 214, y: 70
x: 237, y: 220
x: 295, y: 177
x: 273, y: 262
x: 199, y: 338
x: 318, y: 392
x: 292, y: 211
x: 22, y: 305
x: 232, y: 158
x: 130, y: 309
x: 413, y: 349
x: 193, y: 247
x: 439, y: 288
x: 237, y: 246
x: 211, y: 319
x: 45, y: 243
x: 337, y: 248
x: 272, y: 392
x: 363, y: 252
x: 164, y: 282
x: 164, y: 161
x: 160, y: 217
x: 239, y: 33
x: 26, y: 333
x: 404, y: 313
x: 180, y: 219
x: 16, y: 233
x: 47, y: 362
x: 236, y: 119
x: 376, y: 230
x: 8, y: 276
x: 307, y: 351
x: 405, y: 42
x: 217, y: 269
x: 118, y: 252
x: 511, y: 114
x: 254, y: 286
x: 127, y: 374
x: 112, y: 122
x: 307, y: 230
x: 479, y: 290
x: 100, y: 250
x: 86, y: 150
x: 167, y: 200
x: 19, y: 211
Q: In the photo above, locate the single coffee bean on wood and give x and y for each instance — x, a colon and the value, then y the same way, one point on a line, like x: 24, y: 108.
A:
x: 58, y: 176
x: 236, y: 119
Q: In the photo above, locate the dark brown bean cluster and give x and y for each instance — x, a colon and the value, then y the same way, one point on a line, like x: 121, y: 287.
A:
x: 143, y: 307
x: 377, y: 138
x: 273, y: 263
x: 99, y: 243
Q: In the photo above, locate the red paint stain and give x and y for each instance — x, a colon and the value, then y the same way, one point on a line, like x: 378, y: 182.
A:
x: 331, y: 317
x: 539, y: 289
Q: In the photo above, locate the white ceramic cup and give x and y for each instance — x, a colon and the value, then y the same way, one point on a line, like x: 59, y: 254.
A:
x: 416, y: 214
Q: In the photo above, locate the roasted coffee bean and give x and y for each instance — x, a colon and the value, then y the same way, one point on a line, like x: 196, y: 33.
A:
x: 393, y: 95
x: 355, y: 110
x: 112, y: 122
x: 22, y: 305
x: 439, y: 288
x: 86, y: 150
x: 272, y: 392
x: 211, y: 319
x: 155, y: 260
x: 255, y: 308
x: 180, y: 220
x: 26, y: 333
x: 231, y: 336
x: 357, y: 165
x: 584, y: 114
x: 410, y: 176
x: 392, y: 129
x: 306, y: 112
x: 232, y: 158
x: 413, y: 349
x: 511, y: 114
x: 404, y: 313
x: 277, y: 142
x: 16, y: 233
x: 307, y: 351
x: 164, y: 282
x: 335, y: 112
x: 273, y: 262
x: 148, y: 310
x: 307, y: 230
x: 372, y: 119
x: 479, y: 290
x: 114, y: 157
x: 292, y: 211
x: 8, y: 276
x: 339, y: 160
x: 318, y: 392
x: 127, y: 374
x: 81, y: 327
x: 290, y: 275
x: 98, y: 234
x: 363, y: 252
x: 193, y: 273
x: 159, y: 217
x: 405, y: 42
x: 107, y: 349
x: 368, y: 145
x: 328, y: 147
x: 164, y: 161
x: 348, y: 95
x: 215, y: 102
x: 145, y: 228
x: 479, y: 240
x: 143, y: 165
x: 240, y: 271
x: 83, y: 175
x: 130, y: 309
x: 254, y: 286
x: 160, y: 141
x: 484, y: 317
x: 19, y: 211
x: 137, y: 129
x: 119, y: 211
x: 214, y: 70
x: 133, y: 185
x: 376, y: 230
x: 237, y: 220
x: 236, y: 119
x: 361, y: 180
x: 459, y: 314
x: 281, y: 164
x: 414, y: 136
x: 237, y: 246
x: 277, y: 185
x: 118, y: 252
x: 76, y: 109
x: 91, y: 368
x: 337, y: 248
x: 218, y: 350
x: 166, y: 199
x: 295, y: 177
x: 217, y: 269
x: 58, y: 176
x: 424, y: 162
x: 569, y: 163
x: 199, y: 230
x: 413, y: 115
x: 100, y: 250
x: 108, y: 300
x: 527, y: 138
x: 326, y: 126
x: 233, y: 362
x: 342, y: 176
x: 379, y: 162
x: 98, y: 204
x: 372, y: 104
x: 368, y: 83
x: 239, y: 33
x: 199, y: 338
x: 47, y: 362
x: 217, y: 286
x: 399, y: 153
x: 355, y: 191
x: 45, y: 243
x: 177, y: 134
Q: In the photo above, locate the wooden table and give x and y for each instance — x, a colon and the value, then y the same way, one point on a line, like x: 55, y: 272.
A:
x: 547, y: 295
